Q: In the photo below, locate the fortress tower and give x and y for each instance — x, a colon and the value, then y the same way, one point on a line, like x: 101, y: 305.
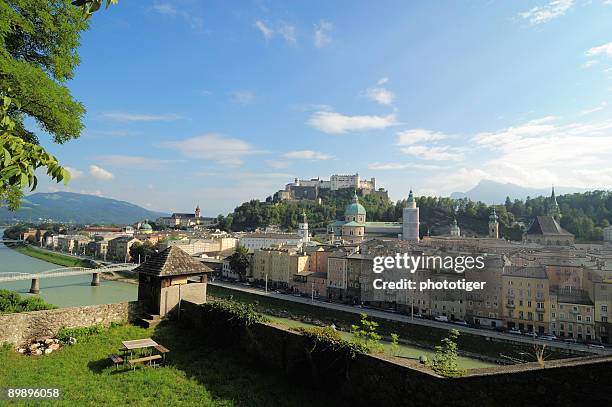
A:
x: 410, y: 220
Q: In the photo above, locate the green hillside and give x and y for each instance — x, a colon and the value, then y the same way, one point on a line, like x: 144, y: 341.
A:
x: 76, y: 208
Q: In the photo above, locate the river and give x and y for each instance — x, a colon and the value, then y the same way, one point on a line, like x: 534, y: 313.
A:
x: 62, y: 291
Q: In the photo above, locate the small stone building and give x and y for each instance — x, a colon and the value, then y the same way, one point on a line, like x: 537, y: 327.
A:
x: 169, y: 277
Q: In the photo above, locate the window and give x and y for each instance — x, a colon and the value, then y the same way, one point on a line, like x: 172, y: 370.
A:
x: 530, y: 316
x: 553, y: 315
x: 604, y: 308
x: 604, y: 319
x: 529, y: 304
x: 540, y: 305
x: 579, y: 317
x: 520, y: 303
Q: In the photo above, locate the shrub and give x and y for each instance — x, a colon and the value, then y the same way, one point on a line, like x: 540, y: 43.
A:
x: 445, y: 360
x: 329, y: 356
x: 11, y: 302
x: 226, y: 322
x: 365, y: 334
x: 80, y: 333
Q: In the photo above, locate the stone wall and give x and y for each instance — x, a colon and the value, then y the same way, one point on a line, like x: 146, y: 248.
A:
x: 20, y: 327
x: 390, y: 381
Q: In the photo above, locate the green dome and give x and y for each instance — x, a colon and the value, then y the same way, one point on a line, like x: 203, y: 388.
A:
x: 355, y: 208
x: 145, y: 226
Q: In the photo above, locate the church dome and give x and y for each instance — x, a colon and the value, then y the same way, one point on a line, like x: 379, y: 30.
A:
x: 145, y: 226
x: 355, y: 208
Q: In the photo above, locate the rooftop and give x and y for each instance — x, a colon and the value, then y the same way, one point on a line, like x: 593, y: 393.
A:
x: 172, y: 262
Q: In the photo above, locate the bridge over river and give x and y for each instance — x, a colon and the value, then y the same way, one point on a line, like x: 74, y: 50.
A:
x: 65, y: 272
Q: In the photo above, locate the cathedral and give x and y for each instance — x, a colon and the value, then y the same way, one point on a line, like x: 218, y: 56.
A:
x: 355, y: 228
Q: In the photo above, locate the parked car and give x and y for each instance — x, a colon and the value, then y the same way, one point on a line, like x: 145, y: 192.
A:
x: 462, y: 323
x: 514, y: 331
x: 441, y: 318
x: 570, y: 340
x: 548, y: 337
x: 531, y: 334
x: 417, y: 315
x: 596, y: 345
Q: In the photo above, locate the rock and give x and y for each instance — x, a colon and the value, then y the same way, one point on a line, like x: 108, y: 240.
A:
x: 423, y: 359
x: 37, y: 352
x: 72, y: 340
x: 48, y: 350
x: 34, y: 346
x: 54, y: 346
x: 55, y: 340
x: 21, y: 350
x: 48, y: 341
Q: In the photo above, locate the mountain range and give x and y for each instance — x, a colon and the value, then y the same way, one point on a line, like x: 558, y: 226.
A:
x: 494, y: 193
x: 77, y: 208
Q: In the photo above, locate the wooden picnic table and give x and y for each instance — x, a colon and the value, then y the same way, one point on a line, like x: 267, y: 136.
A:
x: 148, y: 343
x: 139, y: 344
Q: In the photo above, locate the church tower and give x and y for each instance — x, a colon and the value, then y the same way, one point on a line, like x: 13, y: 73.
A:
x: 493, y: 225
x: 455, y: 231
x: 303, y: 229
x: 554, y: 209
x: 197, y: 211
x: 410, y: 220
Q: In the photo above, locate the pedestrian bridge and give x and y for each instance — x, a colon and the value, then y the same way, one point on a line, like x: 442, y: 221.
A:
x: 64, y: 272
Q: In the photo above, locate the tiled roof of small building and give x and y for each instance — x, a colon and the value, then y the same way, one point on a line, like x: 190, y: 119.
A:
x: 172, y: 262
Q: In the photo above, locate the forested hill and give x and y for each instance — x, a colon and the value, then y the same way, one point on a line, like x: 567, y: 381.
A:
x: 584, y: 214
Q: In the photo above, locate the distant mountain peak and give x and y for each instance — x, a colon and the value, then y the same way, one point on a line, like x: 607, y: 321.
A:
x: 493, y: 192
x: 77, y: 208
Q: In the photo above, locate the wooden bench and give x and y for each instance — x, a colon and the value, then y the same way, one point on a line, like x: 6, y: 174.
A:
x: 149, y: 359
x: 116, y: 359
x: 162, y: 350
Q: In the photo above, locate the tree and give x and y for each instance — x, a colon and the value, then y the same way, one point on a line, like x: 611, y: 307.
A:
x: 89, y: 7
x: 38, y: 54
x: 445, y: 360
x: 142, y: 251
x: 239, y: 261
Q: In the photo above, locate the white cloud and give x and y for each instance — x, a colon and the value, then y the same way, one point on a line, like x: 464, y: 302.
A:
x: 543, y: 152
x: 213, y: 147
x: 414, y: 136
x: 288, y: 33
x: 74, y: 173
x: 601, y: 106
x: 277, y: 163
x: 100, y: 173
x: 165, y: 8
x: 382, y: 81
x: 336, y: 123
x: 168, y: 9
x: 380, y: 95
x: 136, y: 117
x: 322, y: 33
x: 404, y: 166
x: 590, y: 63
x: 243, y: 97
x: 545, y: 13
x: 437, y: 153
x: 131, y: 161
x: 602, y: 50
x: 307, y: 155
x: 267, y: 32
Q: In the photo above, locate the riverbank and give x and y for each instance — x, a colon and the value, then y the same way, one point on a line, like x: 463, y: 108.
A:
x: 51, y: 257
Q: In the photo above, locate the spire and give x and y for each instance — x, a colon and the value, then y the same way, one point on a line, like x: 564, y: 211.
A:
x: 493, y: 217
x: 355, y: 199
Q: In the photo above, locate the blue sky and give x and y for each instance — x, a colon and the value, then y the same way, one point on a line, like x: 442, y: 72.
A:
x: 214, y: 103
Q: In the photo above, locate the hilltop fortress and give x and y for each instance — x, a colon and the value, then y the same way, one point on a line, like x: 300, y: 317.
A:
x: 309, y: 188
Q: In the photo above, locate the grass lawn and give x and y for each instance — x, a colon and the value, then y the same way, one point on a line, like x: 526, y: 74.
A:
x: 197, y: 375
x: 51, y: 257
